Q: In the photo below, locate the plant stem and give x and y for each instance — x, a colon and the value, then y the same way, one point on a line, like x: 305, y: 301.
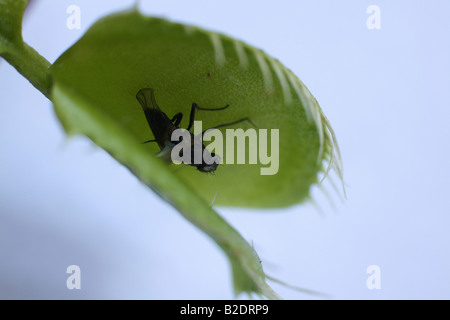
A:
x: 34, y: 67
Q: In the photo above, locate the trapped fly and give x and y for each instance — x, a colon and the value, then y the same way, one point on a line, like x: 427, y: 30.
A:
x: 162, y: 128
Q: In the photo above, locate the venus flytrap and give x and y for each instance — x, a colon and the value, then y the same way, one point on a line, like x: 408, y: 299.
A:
x: 93, y: 86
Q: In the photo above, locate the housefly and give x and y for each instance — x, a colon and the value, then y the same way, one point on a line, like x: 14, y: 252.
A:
x: 162, y: 127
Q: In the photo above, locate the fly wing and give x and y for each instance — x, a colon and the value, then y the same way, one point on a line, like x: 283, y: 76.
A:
x: 157, y: 120
x: 146, y: 98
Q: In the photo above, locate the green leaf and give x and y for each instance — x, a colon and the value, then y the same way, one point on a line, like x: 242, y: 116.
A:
x: 125, y: 52
x: 94, y: 87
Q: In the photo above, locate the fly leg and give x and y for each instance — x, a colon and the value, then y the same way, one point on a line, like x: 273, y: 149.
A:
x: 230, y: 124
x: 196, y: 107
x: 176, y: 120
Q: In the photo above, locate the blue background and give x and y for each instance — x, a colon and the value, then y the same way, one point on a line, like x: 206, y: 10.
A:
x: 386, y: 92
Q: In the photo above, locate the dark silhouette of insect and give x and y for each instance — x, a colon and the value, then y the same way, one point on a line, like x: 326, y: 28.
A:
x: 162, y: 127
